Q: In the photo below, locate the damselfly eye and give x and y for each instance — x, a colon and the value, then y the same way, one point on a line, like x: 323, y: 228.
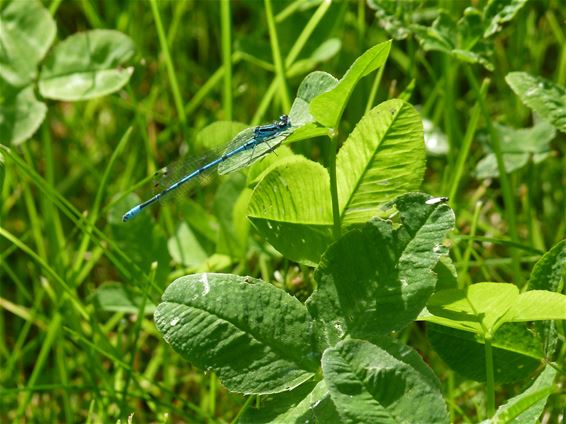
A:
x: 283, y: 121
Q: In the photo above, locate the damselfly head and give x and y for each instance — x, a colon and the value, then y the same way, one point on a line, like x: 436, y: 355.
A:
x: 283, y: 121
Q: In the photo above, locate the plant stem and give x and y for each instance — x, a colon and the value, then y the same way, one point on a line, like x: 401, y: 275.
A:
x: 374, y: 88
x: 277, y: 60
x: 490, y: 380
x: 226, y: 57
x: 169, y: 64
x: 466, y: 143
x: 306, y: 33
x: 506, y: 188
x: 334, y: 186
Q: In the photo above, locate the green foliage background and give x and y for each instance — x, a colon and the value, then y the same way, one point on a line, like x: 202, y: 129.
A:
x: 72, y: 347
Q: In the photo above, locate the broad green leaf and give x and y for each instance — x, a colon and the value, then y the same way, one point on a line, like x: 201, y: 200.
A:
x: 518, y: 146
x: 377, y: 278
x: 478, y: 308
x: 115, y: 297
x: 308, y: 131
x: 313, y: 85
x: 497, y: 12
x: 382, y: 158
x: 26, y: 32
x: 291, y: 208
x: 541, y: 95
x: 87, y: 65
x: 527, y: 407
x: 327, y: 108
x: 21, y: 113
x: 255, y: 337
x: 185, y: 248
x: 548, y: 274
x: 388, y: 383
x: 536, y: 305
x: 309, y: 402
x: 260, y: 169
x: 516, y: 352
x: 483, y: 307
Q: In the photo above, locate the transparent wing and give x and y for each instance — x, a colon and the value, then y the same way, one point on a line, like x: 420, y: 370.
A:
x: 175, y: 171
x: 248, y: 157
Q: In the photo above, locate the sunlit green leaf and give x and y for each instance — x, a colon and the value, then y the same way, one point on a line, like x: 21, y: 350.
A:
x: 477, y: 308
x: 541, y: 95
x: 258, y: 170
x: 388, y: 383
x: 327, y: 108
x: 291, y: 208
x: 536, y: 305
x: 26, y: 32
x: 87, y: 65
x: 255, y: 337
x: 382, y: 158
x: 313, y: 85
x: 483, y: 307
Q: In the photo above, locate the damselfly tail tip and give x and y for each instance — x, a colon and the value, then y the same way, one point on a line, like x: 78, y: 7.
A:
x: 132, y: 213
